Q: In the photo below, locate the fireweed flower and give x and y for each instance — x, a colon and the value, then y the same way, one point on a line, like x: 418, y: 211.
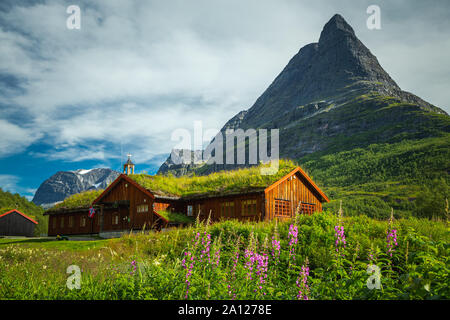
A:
x: 339, y: 236
x: 261, y: 271
x: 250, y: 258
x: 206, y: 243
x: 188, y: 261
x: 232, y: 276
x: 391, y: 241
x: 302, y: 283
x: 188, y: 264
x: 216, y: 259
x: 276, y: 244
x: 133, y: 267
x: 293, y: 233
x: 276, y: 248
x: 391, y: 236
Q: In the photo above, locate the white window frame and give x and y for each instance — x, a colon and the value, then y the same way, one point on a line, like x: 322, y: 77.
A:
x: 190, y: 210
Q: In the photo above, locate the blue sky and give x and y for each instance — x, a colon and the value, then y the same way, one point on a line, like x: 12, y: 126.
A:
x: 138, y: 70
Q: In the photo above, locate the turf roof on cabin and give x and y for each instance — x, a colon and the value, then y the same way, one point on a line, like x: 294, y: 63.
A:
x: 216, y: 184
x: 79, y: 200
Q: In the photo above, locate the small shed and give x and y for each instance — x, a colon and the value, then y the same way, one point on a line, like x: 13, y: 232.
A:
x: 16, y: 223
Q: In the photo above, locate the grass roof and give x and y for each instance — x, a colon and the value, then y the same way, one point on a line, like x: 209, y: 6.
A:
x: 79, y: 200
x: 218, y: 183
x: 175, y: 217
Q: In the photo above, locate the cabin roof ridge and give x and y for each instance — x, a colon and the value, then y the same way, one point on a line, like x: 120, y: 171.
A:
x: 22, y: 214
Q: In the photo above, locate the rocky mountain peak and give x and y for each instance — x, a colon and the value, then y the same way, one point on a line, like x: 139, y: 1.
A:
x: 336, y: 27
x: 321, y: 81
x: 65, y: 183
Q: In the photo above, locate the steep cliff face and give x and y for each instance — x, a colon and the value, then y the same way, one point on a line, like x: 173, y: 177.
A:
x: 334, y: 95
x: 65, y: 183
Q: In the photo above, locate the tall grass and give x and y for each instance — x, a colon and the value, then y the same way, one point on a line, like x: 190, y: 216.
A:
x: 233, y: 260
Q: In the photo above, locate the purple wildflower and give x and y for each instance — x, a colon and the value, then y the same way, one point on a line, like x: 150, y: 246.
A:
x: 339, y: 234
x: 276, y: 249
x: 391, y: 241
x: 134, y: 267
x: 249, y: 256
x: 233, y: 272
x: 293, y: 233
x: 261, y: 271
x: 302, y: 283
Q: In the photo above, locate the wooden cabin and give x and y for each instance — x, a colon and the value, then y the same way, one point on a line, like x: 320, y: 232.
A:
x: 76, y: 221
x: 137, y: 201
x: 16, y: 223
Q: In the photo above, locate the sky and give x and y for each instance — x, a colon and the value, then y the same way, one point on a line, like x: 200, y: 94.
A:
x: 136, y: 71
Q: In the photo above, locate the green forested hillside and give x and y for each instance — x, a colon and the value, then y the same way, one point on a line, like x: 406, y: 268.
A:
x: 410, y: 176
x: 10, y: 201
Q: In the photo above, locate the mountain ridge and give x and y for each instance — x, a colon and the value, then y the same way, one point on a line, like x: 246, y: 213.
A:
x: 336, y: 78
x: 65, y: 183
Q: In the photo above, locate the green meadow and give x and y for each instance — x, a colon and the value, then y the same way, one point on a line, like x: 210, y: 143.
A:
x: 297, y: 259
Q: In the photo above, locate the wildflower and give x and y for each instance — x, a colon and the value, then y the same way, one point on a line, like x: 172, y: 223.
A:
x: 206, y: 242
x: 276, y: 248
x: 232, y: 275
x: 391, y: 238
x: 249, y: 255
x: 156, y: 263
x: 188, y: 262
x: 391, y: 241
x: 302, y: 282
x: 293, y: 233
x: 261, y: 271
x: 134, y: 267
x: 339, y: 235
x: 216, y: 257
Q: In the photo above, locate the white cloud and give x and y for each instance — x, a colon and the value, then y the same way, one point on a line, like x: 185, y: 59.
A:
x: 136, y: 71
x: 9, y: 182
x: 14, y: 138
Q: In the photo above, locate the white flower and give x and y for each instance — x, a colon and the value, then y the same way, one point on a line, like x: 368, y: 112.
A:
x: 156, y: 263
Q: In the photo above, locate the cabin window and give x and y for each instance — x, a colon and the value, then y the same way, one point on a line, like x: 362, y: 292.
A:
x: 70, y: 222
x: 62, y: 222
x: 282, y: 207
x: 54, y: 222
x: 115, y: 219
x: 142, y: 208
x: 190, y: 211
x: 308, y: 208
x: 249, y: 207
x: 83, y: 221
x: 227, y: 209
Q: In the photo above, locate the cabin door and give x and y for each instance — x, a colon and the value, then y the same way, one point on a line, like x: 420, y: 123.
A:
x: 125, y: 218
